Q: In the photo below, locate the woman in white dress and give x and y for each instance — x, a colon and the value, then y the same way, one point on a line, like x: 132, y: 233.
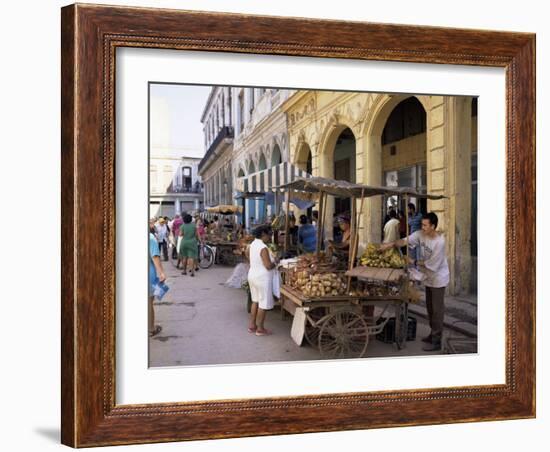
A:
x: 260, y: 280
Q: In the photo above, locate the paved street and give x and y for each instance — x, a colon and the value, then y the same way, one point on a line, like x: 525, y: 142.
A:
x: 204, y: 322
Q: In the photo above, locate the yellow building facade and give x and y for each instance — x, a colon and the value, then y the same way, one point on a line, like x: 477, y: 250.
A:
x: 428, y: 142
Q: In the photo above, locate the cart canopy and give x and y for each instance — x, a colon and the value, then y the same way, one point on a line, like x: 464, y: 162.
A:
x: 346, y: 189
x: 225, y: 209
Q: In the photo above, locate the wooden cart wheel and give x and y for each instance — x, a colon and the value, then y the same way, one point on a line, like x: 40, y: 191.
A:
x: 312, y: 331
x: 344, y: 334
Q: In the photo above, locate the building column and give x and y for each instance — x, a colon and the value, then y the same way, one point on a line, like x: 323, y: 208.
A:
x: 247, y: 105
x: 227, y: 107
x: 177, y: 206
x: 460, y: 192
x: 449, y: 174
x: 257, y: 94
x: 360, y: 149
x: 326, y: 169
x: 220, y: 187
x: 372, y: 175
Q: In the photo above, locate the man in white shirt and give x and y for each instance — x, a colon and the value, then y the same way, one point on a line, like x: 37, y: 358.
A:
x: 162, y: 236
x: 433, y: 264
x: 391, y: 228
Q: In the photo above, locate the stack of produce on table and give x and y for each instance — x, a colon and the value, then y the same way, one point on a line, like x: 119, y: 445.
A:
x: 315, y: 277
x: 278, y: 222
x: 320, y: 284
x: 374, y: 257
x: 313, y: 263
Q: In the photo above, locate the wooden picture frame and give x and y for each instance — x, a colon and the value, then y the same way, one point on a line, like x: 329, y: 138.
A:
x: 90, y: 36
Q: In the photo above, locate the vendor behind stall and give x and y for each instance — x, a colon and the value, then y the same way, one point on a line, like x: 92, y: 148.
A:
x: 341, y: 249
x: 307, y: 236
x: 228, y: 226
x: 435, y: 269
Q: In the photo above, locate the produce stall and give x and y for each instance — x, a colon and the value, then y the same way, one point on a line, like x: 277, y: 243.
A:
x: 226, y: 246
x: 337, y: 309
x: 333, y: 315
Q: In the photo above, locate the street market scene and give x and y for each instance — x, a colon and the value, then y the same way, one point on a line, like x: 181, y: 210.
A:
x: 295, y: 225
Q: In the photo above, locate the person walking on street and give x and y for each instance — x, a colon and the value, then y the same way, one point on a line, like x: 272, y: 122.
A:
x: 260, y: 280
x: 201, y: 231
x: 433, y: 264
x: 201, y: 228
x: 156, y: 275
x: 189, y: 245
x: 176, y: 225
x: 162, y: 237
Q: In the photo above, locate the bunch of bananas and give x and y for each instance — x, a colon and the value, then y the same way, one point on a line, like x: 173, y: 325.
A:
x: 374, y: 257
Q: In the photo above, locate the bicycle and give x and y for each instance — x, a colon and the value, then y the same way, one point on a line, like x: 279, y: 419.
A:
x: 206, y: 256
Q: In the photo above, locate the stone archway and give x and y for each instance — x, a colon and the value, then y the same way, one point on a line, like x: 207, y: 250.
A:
x: 251, y: 167
x: 276, y: 156
x: 304, y: 158
x: 262, y: 165
x: 373, y: 128
x: 448, y: 173
x: 404, y: 152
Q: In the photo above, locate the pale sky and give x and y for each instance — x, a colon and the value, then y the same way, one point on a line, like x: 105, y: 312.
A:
x: 175, y: 115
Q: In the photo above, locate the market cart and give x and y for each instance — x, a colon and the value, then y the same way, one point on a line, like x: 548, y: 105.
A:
x: 227, y: 250
x: 337, y: 311
x: 340, y: 325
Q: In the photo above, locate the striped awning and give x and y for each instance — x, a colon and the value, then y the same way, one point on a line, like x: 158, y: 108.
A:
x: 268, y: 179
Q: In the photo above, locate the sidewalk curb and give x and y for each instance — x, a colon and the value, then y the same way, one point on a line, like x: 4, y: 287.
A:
x: 449, y: 322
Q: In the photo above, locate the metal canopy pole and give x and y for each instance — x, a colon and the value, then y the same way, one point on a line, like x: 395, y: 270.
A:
x: 324, y: 218
x: 402, y: 319
x: 353, y: 226
x: 287, y: 225
x: 407, y: 227
x: 320, y: 224
x: 355, y: 241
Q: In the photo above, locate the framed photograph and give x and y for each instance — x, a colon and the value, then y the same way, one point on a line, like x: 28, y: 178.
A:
x: 325, y: 201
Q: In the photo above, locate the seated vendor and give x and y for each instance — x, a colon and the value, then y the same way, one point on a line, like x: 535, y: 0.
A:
x: 341, y: 248
x: 228, y: 226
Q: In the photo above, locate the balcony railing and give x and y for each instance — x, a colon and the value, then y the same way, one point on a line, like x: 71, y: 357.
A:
x: 185, y: 189
x: 174, y: 189
x: 225, y: 132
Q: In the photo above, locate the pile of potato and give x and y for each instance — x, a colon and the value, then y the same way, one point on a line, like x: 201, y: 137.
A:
x: 374, y: 257
x: 320, y: 284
